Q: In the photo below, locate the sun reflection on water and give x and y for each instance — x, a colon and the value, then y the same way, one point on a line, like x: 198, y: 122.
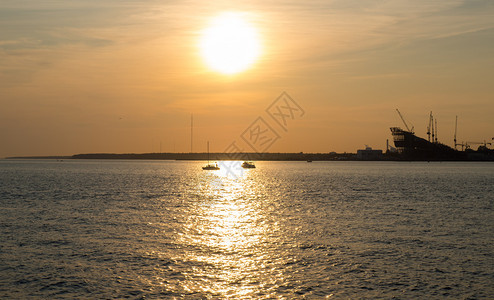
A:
x: 226, y: 233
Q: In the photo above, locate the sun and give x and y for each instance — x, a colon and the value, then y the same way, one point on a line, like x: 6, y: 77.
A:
x: 230, y: 44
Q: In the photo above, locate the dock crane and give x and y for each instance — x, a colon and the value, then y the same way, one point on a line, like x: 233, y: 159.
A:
x: 484, y: 143
x: 432, y: 129
x: 456, y: 129
x: 429, y: 126
x: 458, y: 144
x: 435, y: 128
x: 467, y: 145
x: 404, y: 122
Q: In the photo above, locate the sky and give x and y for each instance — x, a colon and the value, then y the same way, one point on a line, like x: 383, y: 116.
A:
x: 124, y: 76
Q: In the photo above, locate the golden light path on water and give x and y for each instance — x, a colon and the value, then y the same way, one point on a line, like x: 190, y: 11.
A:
x: 229, y: 235
x: 285, y: 230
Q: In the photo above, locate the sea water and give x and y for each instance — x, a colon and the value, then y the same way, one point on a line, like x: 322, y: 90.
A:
x: 105, y: 229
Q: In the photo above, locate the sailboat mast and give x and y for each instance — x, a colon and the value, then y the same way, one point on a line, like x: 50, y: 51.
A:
x: 191, y: 132
x: 208, y: 152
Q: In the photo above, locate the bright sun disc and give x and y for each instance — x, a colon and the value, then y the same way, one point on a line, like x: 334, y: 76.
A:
x: 230, y: 45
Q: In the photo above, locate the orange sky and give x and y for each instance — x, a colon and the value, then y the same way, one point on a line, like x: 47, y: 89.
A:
x: 125, y: 76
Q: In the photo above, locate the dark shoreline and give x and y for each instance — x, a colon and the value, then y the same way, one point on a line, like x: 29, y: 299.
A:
x: 249, y: 156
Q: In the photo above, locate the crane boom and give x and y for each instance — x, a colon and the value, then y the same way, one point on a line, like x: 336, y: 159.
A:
x: 479, y: 143
x: 403, y: 119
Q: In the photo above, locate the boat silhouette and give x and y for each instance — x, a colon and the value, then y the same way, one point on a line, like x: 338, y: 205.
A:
x: 210, y: 166
x: 248, y: 165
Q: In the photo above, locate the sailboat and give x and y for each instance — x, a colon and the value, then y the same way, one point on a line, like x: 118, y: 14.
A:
x: 210, y: 166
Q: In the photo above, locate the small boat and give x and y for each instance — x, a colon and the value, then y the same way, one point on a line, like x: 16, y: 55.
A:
x: 210, y: 166
x: 309, y: 160
x: 248, y: 165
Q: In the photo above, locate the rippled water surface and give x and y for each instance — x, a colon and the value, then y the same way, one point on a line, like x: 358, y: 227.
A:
x: 339, y: 230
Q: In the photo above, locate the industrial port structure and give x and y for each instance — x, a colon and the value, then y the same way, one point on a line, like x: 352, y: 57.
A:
x: 412, y: 147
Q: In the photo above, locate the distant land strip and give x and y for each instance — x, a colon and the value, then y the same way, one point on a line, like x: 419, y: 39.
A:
x: 203, y: 156
x: 252, y: 156
x: 220, y: 156
x: 40, y: 157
